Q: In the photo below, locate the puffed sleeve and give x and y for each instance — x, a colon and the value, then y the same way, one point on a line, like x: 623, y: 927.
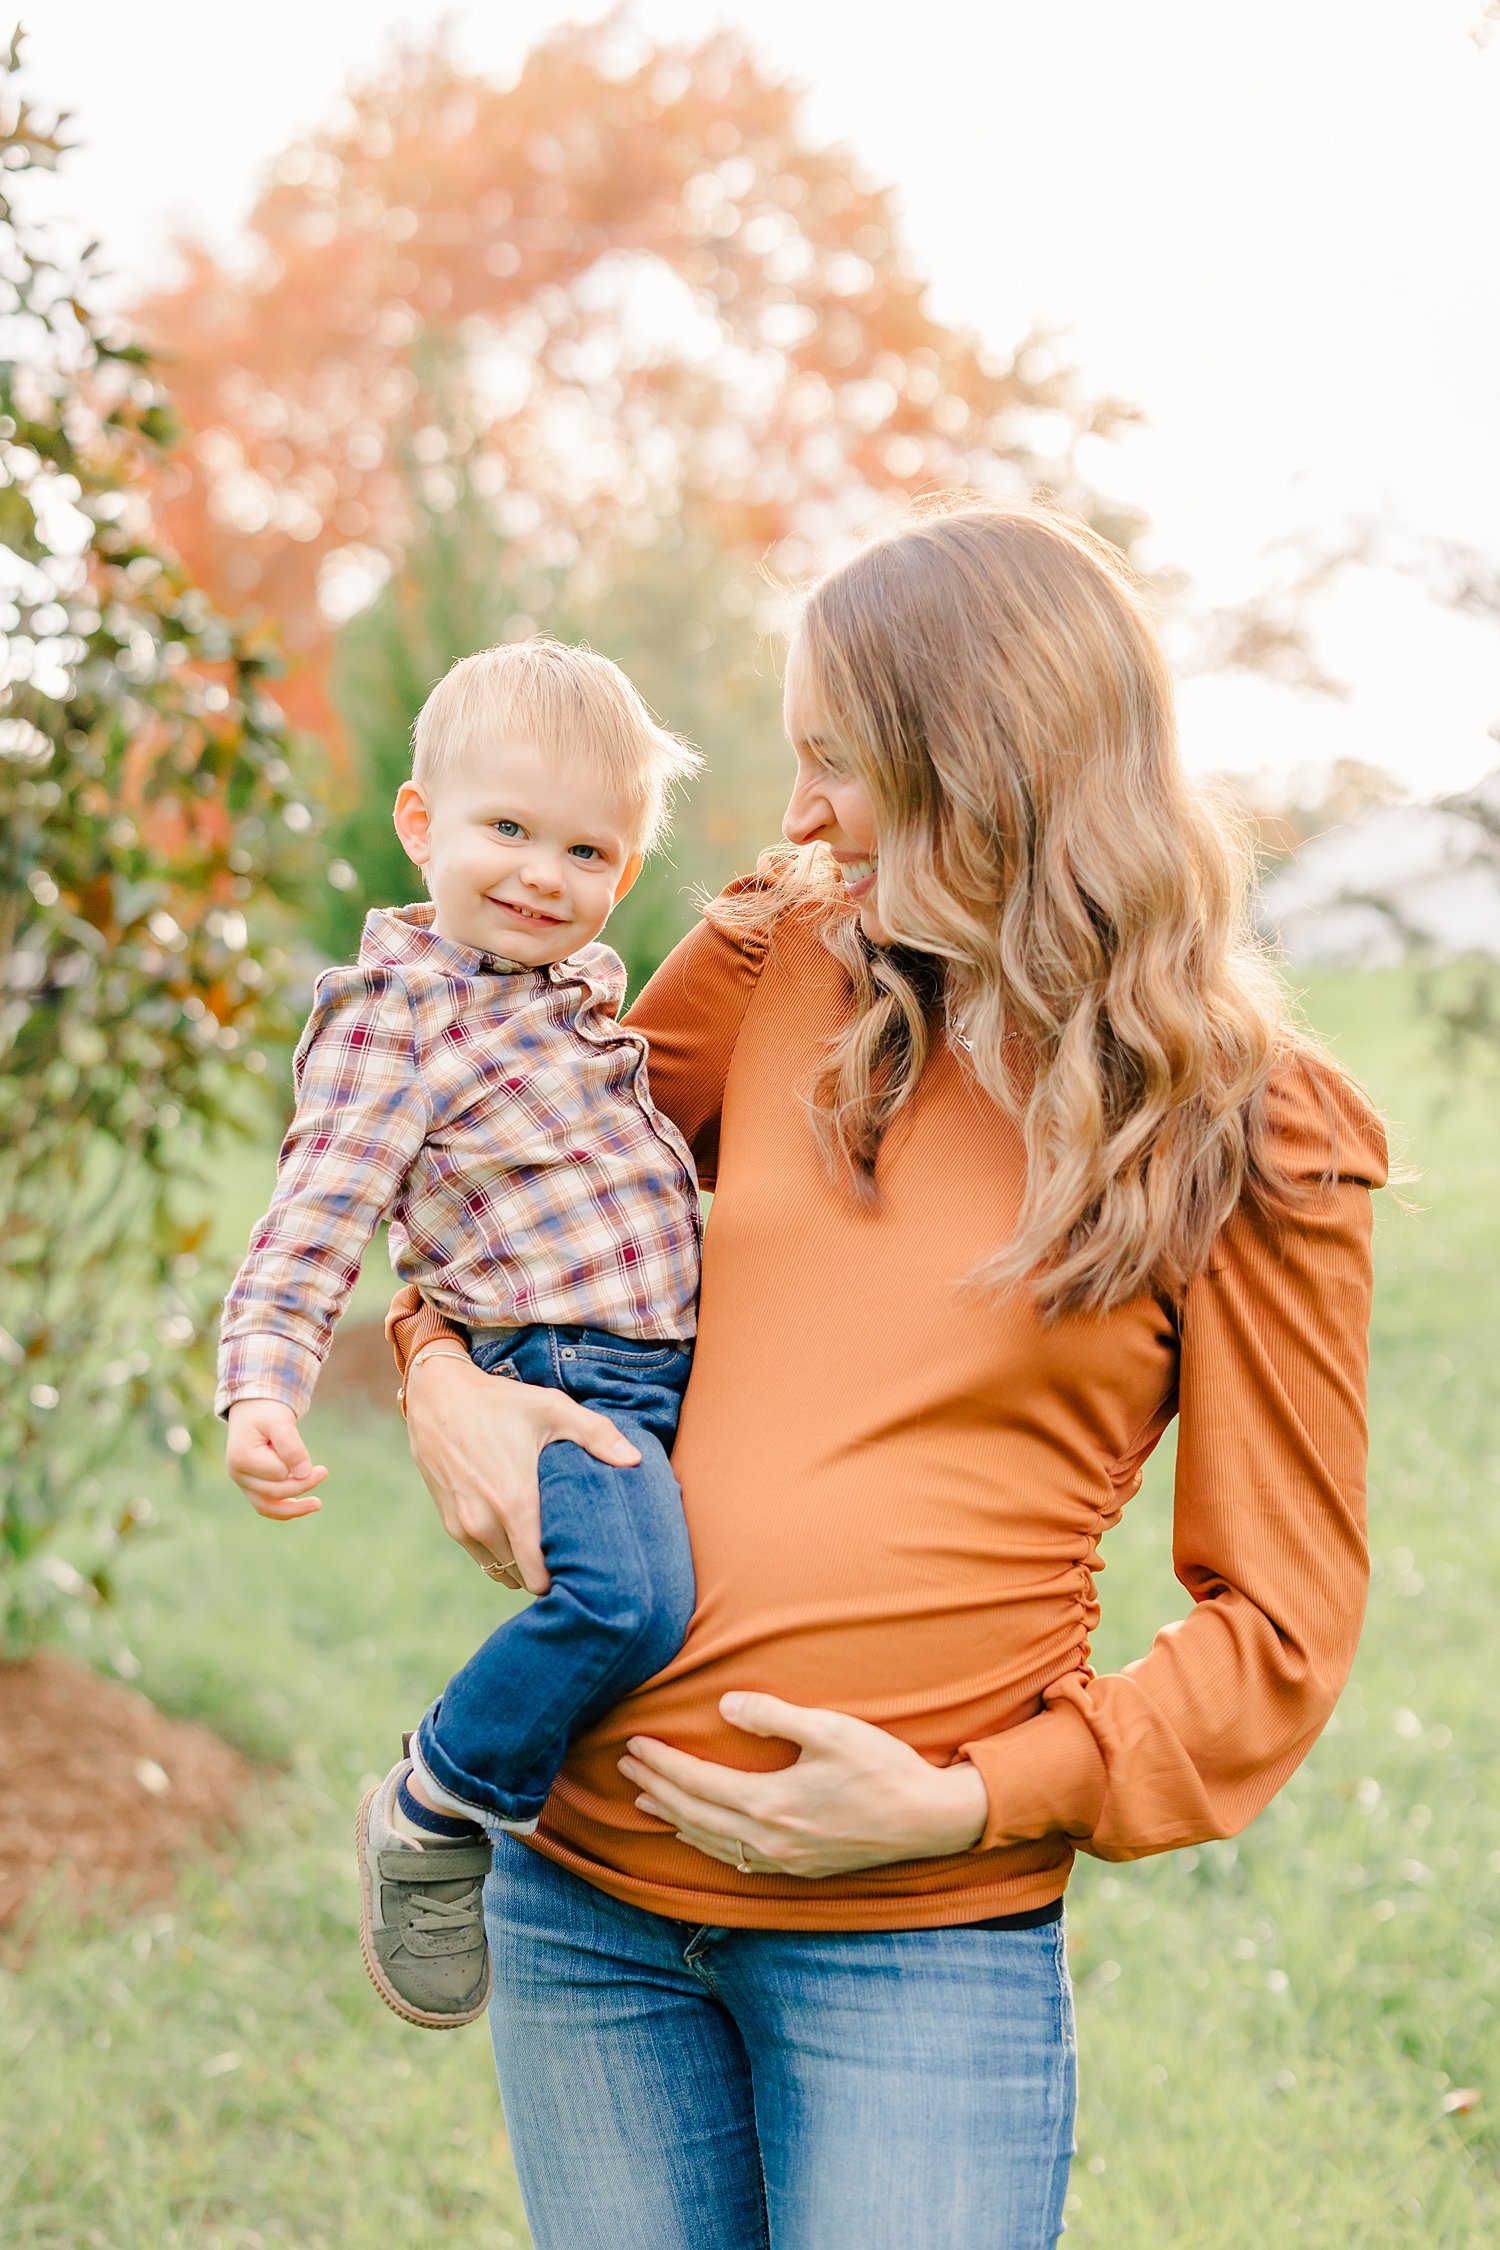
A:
x: 691, y: 1013
x: 1192, y: 1740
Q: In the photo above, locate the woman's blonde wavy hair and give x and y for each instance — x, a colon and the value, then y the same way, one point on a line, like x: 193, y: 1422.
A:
x: 1061, y: 899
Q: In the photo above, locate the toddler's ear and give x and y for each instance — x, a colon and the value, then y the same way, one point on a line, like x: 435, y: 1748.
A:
x: 413, y: 823
x: 633, y: 866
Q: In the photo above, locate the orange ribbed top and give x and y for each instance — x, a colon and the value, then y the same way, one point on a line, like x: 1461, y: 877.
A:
x: 896, y: 1487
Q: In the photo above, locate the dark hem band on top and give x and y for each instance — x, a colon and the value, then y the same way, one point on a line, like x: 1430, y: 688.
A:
x: 1034, y: 1918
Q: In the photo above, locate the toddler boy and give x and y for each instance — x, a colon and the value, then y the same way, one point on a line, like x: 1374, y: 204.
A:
x: 469, y: 1080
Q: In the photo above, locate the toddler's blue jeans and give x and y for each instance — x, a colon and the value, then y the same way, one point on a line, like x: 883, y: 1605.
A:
x: 622, y: 1578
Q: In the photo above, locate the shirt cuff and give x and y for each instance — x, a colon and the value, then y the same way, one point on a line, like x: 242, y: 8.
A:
x: 411, y: 1323
x: 266, y: 1367
x: 1041, y: 1777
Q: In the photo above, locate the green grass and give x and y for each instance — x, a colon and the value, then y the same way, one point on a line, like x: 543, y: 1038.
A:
x: 1268, y: 2028
x: 221, y: 2074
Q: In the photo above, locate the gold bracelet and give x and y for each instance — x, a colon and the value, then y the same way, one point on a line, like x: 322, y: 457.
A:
x: 437, y: 1349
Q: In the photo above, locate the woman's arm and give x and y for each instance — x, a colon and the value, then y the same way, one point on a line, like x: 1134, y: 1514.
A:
x: 1193, y: 1740
x: 477, y: 1441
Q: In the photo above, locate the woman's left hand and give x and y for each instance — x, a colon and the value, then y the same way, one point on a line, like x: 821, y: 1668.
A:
x: 856, y: 1797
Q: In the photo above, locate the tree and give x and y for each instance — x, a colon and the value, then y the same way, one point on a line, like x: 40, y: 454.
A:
x: 682, y: 616
x: 458, y: 588
x: 150, y: 826
x: 624, y: 292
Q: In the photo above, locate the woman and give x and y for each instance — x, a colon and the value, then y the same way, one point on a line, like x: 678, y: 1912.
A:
x: 1017, y: 1156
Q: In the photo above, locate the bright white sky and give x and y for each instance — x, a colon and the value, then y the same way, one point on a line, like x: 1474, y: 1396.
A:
x: 1276, y: 228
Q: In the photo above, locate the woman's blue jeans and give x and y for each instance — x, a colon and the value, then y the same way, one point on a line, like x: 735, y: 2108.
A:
x: 674, y: 2088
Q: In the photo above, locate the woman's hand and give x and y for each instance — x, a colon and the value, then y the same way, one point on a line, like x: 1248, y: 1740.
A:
x: 856, y: 1797
x: 476, y: 1439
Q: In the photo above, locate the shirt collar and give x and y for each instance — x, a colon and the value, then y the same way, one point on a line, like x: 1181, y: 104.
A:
x: 396, y: 935
x: 401, y: 934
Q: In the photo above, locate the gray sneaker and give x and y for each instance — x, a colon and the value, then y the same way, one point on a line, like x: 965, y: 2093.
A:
x: 421, y: 1918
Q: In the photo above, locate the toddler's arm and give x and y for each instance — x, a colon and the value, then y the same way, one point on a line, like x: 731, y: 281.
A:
x: 361, y: 1118
x: 268, y: 1460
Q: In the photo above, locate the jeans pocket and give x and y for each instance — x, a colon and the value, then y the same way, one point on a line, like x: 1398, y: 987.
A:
x: 505, y: 1367
x: 647, y: 1360
x: 497, y: 1355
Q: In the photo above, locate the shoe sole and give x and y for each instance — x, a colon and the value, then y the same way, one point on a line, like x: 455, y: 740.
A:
x: 376, y: 1974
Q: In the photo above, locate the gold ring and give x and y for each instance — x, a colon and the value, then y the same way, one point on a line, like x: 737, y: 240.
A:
x: 741, y: 1862
x: 502, y: 1572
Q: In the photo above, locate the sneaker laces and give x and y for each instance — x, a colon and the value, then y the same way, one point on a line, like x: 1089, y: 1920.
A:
x: 430, y: 1917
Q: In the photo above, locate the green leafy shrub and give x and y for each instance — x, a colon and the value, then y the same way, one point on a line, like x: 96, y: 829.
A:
x: 151, y: 834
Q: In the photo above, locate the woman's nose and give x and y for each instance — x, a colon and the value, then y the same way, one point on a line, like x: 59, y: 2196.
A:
x: 806, y: 815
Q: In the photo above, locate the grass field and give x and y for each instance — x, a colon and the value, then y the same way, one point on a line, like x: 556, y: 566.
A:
x: 1269, y: 2029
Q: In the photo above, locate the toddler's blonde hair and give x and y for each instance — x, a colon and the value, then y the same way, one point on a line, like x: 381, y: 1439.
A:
x: 565, y: 700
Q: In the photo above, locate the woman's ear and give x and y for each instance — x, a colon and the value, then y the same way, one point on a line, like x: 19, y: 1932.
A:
x: 413, y: 823
x: 633, y: 866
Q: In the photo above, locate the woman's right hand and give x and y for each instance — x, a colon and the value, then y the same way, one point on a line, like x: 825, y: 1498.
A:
x: 477, y: 1440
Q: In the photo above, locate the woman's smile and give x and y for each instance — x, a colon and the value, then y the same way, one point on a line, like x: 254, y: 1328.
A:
x: 858, y: 873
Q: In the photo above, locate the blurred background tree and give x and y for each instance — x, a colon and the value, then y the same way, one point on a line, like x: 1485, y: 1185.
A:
x: 620, y: 292
x: 151, y: 832
x: 457, y: 589
x: 1465, y: 1000
x: 611, y: 351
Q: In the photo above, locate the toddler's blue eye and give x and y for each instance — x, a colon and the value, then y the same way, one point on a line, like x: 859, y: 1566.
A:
x: 506, y: 827
x: 584, y: 851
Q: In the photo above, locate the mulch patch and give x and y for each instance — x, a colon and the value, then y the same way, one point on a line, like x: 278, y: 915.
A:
x: 105, y: 1794
x: 101, y: 1788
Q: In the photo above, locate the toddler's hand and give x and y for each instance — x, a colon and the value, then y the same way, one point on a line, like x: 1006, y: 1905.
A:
x: 268, y: 1460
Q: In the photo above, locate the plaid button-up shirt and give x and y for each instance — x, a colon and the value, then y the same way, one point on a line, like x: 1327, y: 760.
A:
x: 501, y: 1118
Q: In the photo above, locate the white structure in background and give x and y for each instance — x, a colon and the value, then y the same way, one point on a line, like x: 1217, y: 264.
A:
x: 1359, y: 895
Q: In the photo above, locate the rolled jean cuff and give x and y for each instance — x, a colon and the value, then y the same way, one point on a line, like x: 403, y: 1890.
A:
x: 507, y: 1816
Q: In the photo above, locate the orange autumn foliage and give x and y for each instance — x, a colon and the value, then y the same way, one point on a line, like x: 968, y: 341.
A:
x: 621, y: 289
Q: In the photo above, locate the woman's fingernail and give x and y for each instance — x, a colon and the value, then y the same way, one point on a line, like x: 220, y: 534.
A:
x: 731, y: 1705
